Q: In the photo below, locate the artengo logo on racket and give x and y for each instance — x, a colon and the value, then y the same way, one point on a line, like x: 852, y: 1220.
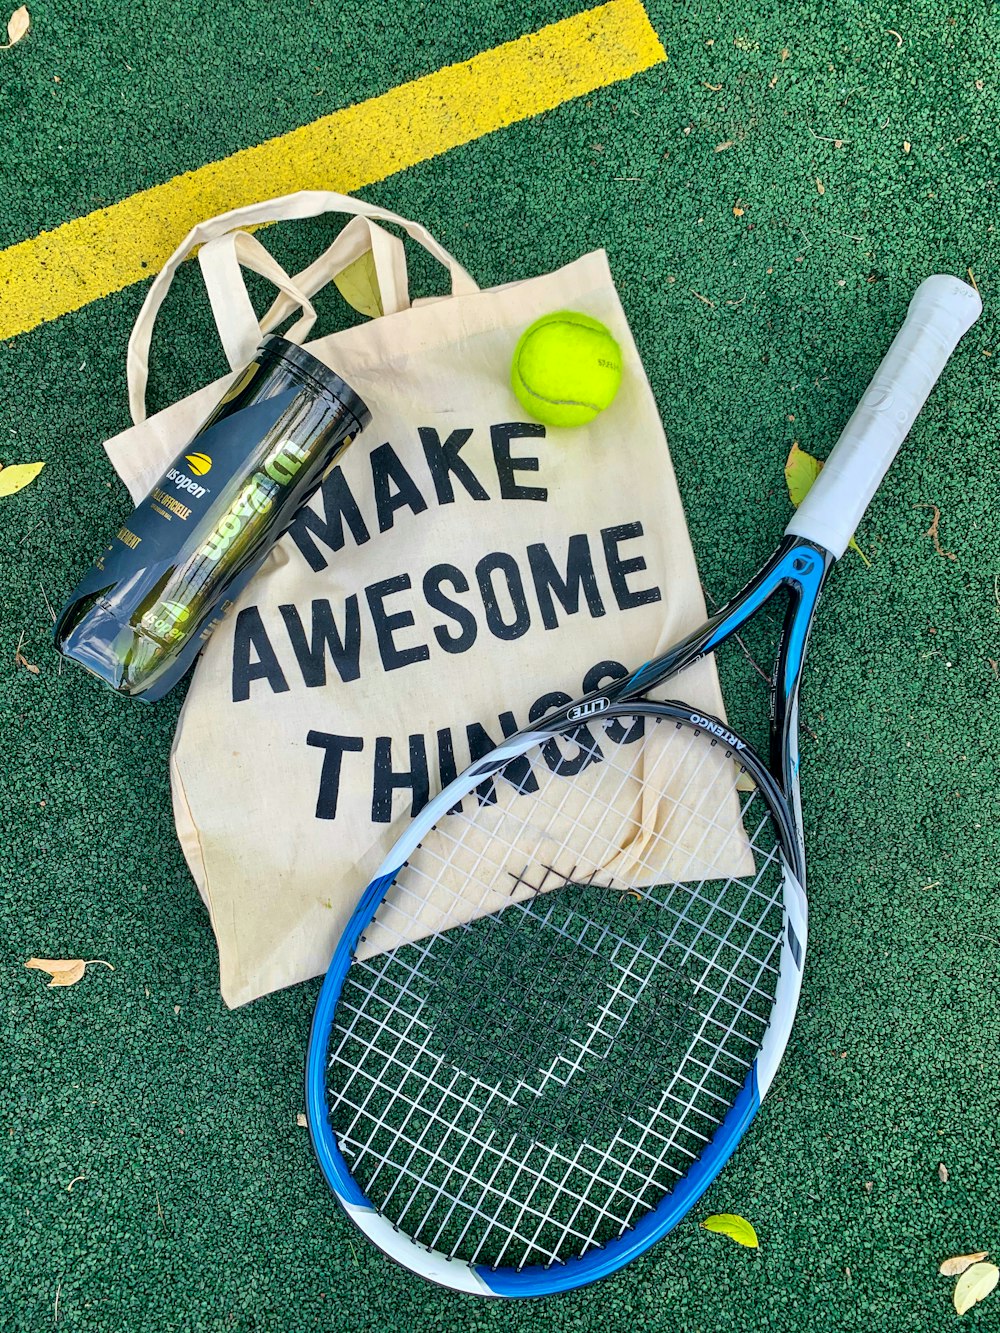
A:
x: 717, y: 729
x: 588, y: 708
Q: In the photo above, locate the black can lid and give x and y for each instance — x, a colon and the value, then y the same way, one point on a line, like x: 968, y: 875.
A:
x: 320, y: 376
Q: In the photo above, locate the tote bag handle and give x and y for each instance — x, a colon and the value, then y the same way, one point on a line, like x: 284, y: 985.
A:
x: 224, y: 263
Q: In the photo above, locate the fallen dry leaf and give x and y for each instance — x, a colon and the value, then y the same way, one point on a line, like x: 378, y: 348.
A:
x: 932, y: 531
x: 713, y: 87
x: 942, y: 1173
x: 958, y: 1263
x: 65, y: 971
x: 21, y: 660
x: 18, y: 475
x: 17, y: 27
x: 734, y: 1226
x: 801, y: 470
x: 358, y: 285
x: 975, y: 1285
x: 820, y: 187
x: 70, y: 977
x: 721, y: 147
x: 737, y: 211
x: 301, y: 1121
x: 906, y: 145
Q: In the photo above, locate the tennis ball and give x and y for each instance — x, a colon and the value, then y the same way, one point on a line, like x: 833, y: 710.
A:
x: 567, y: 367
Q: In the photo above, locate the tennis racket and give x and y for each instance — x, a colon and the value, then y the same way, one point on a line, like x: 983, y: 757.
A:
x: 559, y: 1003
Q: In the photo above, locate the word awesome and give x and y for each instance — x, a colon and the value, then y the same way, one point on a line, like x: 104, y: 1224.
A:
x: 504, y: 595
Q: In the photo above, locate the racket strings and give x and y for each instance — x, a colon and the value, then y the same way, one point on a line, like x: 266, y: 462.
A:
x: 437, y: 889
x: 526, y: 1082
x: 637, y: 964
x: 546, y: 967
x: 630, y: 1174
x: 635, y: 1177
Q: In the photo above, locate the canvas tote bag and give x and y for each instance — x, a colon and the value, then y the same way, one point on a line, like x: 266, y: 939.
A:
x: 463, y: 570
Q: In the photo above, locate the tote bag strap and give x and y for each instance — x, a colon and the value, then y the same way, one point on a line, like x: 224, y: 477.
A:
x: 361, y: 236
x: 222, y: 262
x: 304, y: 204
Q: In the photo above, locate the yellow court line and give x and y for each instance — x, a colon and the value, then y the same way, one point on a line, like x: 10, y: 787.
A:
x: 64, y: 269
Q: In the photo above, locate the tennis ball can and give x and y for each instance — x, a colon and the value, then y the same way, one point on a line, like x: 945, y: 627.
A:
x: 172, y: 571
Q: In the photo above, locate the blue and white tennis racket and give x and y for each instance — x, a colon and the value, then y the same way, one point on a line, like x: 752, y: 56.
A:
x: 559, y: 1003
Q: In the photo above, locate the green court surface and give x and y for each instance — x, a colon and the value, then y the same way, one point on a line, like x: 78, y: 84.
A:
x: 769, y: 198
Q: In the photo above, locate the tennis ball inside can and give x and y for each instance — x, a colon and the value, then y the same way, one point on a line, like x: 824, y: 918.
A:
x: 566, y: 369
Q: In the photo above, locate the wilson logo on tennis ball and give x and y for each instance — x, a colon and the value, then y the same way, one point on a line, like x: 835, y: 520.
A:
x: 717, y: 729
x: 589, y: 708
x: 198, y: 463
x: 256, y: 497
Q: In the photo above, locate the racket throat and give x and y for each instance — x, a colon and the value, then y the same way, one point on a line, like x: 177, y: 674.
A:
x: 798, y: 566
x: 803, y: 567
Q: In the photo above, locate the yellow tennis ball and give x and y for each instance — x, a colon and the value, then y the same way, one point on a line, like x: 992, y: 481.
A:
x: 567, y: 367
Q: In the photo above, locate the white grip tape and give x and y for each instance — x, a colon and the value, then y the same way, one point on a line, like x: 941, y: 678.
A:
x: 941, y: 311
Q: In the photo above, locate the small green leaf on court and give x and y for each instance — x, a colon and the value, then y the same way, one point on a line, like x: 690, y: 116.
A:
x: 975, y: 1285
x: 358, y: 285
x: 735, y: 1227
x: 801, y: 470
x: 17, y: 476
x: 855, y: 547
x: 17, y: 27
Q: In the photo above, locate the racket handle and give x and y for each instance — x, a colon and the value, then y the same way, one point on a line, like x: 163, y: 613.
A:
x: 941, y: 311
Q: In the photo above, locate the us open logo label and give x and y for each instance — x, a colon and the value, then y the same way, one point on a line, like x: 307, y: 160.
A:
x: 198, y: 463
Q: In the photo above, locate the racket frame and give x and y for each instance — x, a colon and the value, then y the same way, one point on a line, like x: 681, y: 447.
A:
x: 798, y: 568
x: 940, y: 312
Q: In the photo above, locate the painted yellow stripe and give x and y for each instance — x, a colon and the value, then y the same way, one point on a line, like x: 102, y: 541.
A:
x: 62, y: 270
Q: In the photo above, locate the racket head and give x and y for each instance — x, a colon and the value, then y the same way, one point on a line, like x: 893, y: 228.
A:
x: 392, y: 1092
